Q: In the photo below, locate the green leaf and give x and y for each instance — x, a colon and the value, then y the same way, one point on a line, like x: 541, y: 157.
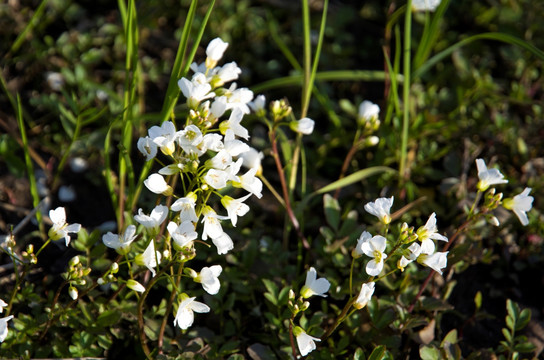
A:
x: 513, y: 309
x: 359, y: 354
x: 525, y: 347
x: 271, y: 287
x: 429, y: 353
x: 378, y: 353
x: 349, y: 225
x: 523, y: 319
x: 450, y: 338
x: 108, y: 318
x: 510, y: 322
x: 353, y: 178
x: 332, y: 211
x: 507, y: 335
x: 271, y: 298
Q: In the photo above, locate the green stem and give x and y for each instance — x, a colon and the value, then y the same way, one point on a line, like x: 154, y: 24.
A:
x: 406, y: 92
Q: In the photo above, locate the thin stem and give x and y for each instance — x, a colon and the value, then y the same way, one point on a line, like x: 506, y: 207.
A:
x: 406, y: 91
x: 286, y: 198
x: 339, y: 319
x: 351, y: 277
x: 272, y: 190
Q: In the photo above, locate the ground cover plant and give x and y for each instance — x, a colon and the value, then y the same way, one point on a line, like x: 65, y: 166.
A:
x: 271, y: 179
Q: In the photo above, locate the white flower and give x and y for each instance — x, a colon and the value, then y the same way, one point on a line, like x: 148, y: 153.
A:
x: 186, y: 207
x: 251, y: 183
x: 185, y: 314
x: 4, y: 327
x: 121, y: 243
x: 314, y: 286
x: 223, y: 243
x: 195, y: 90
x: 403, y: 262
x: 164, y: 137
x: 217, y: 179
x: 426, y: 234
x: 233, y: 123
x: 55, y: 80
x: 3, y: 304
x: 436, y: 261
x: 368, y: 110
x: 374, y: 248
x: 520, y: 204
x: 208, y: 277
x: 364, y: 296
x: 381, y: 208
x: 150, y: 257
x: 183, y: 234
x: 233, y: 146
x: 156, y: 184
x: 487, y: 176
x: 258, y: 105
x: 214, y: 52
x: 226, y: 73
x: 252, y: 159
x: 239, y: 98
x: 305, y: 342
x: 147, y: 147
x: 218, y: 107
x: 425, y: 5
x: 136, y: 286
x: 235, y: 207
x: 190, y: 138
x: 60, y: 228
x: 212, y: 226
x: 358, y: 250
x: 153, y: 220
x: 303, y: 126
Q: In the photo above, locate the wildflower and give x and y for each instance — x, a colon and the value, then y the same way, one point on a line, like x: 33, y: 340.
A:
x: 358, y: 251
x: 258, y: 105
x: 195, y: 90
x: 239, y: 98
x: 153, y: 220
x: 121, y: 243
x: 252, y: 159
x: 403, y: 262
x: 224, y: 74
x: 186, y: 207
x: 164, y: 137
x: 425, y: 5
x: 214, y: 52
x: 208, y: 277
x: 136, y: 286
x: 314, y: 286
x: 251, y: 183
x: 364, y: 295
x: 217, y: 179
x: 305, y: 342
x: 60, y: 228
x: 212, y: 226
x: 55, y: 80
x: 156, y: 184
x: 149, y: 258
x: 233, y: 146
x: 487, y: 176
x: 234, y: 123
x: 189, y: 139
x: 183, y: 234
x: 303, y: 126
x: 3, y: 304
x: 368, y: 111
x: 436, y: 261
x: 185, y: 315
x: 381, y: 209
x: 235, y: 207
x: 374, y: 248
x: 147, y: 147
x: 426, y: 234
x: 4, y: 327
x: 520, y: 204
x: 223, y: 243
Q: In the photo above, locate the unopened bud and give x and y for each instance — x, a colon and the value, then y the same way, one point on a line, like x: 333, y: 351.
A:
x: 305, y: 305
x: 190, y: 272
x: 291, y: 294
x: 114, y: 268
x: 74, y: 261
x: 72, y: 291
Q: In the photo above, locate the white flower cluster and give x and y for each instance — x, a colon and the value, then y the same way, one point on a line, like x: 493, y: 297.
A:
x: 206, y: 153
x: 375, y: 246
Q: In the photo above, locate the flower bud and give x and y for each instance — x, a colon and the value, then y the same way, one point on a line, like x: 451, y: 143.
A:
x: 100, y: 281
x: 72, y: 291
x: 114, y: 268
x: 74, y: 261
x: 291, y: 295
x: 190, y: 272
x: 134, y: 285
